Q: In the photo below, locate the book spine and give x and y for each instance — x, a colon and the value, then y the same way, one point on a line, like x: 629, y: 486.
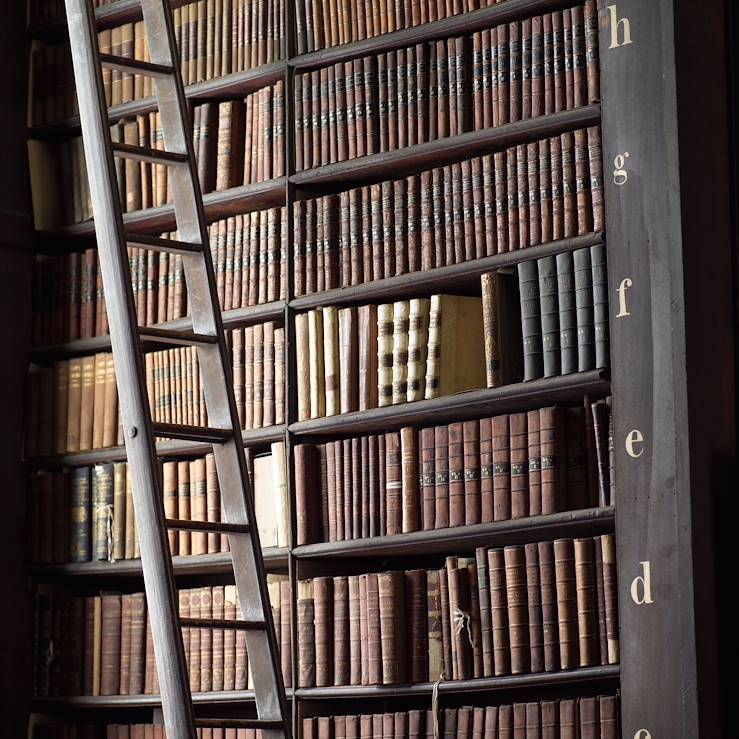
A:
x: 530, y: 320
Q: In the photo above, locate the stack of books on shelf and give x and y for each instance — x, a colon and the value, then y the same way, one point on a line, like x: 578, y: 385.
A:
x: 101, y: 644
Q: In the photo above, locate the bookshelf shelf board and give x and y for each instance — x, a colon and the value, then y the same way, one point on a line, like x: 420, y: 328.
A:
x: 453, y: 26
x: 584, y: 675
x: 586, y: 522
x: 234, y: 85
x: 471, y: 404
x: 143, y: 701
x: 274, y: 311
x: 462, y: 276
x: 173, y: 448
x: 413, y: 159
x: 275, y: 560
x: 219, y: 204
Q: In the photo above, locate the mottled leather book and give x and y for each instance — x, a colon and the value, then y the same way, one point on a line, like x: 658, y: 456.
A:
x: 354, y: 641
x: 306, y: 635
x: 501, y: 325
x: 608, y: 547
x: 441, y: 467
x: 564, y: 558
x: 110, y: 651
x: 517, y: 600
x: 456, y: 475
x: 375, y: 651
x: 434, y: 626
x: 501, y: 468
x: 340, y: 640
x: 306, y: 502
x: 427, y: 478
x: 417, y: 619
x: 393, y: 483
x: 499, y: 612
x: 486, y: 629
x: 553, y: 459
x: 471, y: 471
x: 393, y: 626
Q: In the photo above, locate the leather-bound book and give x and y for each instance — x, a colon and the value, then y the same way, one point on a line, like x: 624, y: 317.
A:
x: 608, y: 714
x: 331, y: 365
x: 550, y: 313
x: 340, y: 639
x: 427, y: 478
x: 600, y: 416
x: 568, y: 59
x: 579, y: 70
x: 385, y: 345
x: 393, y: 627
x: 259, y: 384
x: 306, y: 508
x: 501, y: 327
x: 331, y: 491
x: 306, y: 635
x: 555, y: 159
x: 401, y: 314
x: 489, y: 205
x: 340, y: 491
x: 567, y: 313
x: 456, y: 475
x: 183, y: 506
x: 558, y: 63
x: 137, y: 644
x: 350, y: 650
x: 501, y: 468
x: 206, y: 641
x: 212, y: 502
x: 477, y: 205
x: 218, y: 611
x: 348, y: 360
x: 608, y: 547
x: 371, y: 485
x: 569, y: 185
x: 501, y: 201
x: 564, y: 558
x: 549, y: 720
x: 531, y: 323
x: 410, y: 498
x: 417, y: 618
x: 550, y: 626
x: 471, y: 471
x: 360, y: 112
x: 348, y: 488
x: 303, y: 366
x: 490, y: 728
x: 359, y: 510
x: 600, y: 305
x: 285, y: 633
x: 345, y: 223
x: 534, y: 462
x: 279, y: 381
x: 553, y: 458
x: 447, y: 627
x: 504, y: 66
x: 196, y: 638
x: 229, y: 638
x: 486, y: 631
x: 320, y: 244
x: 393, y: 483
x: 519, y: 465
x: 568, y: 715
x: 499, y: 612
x: 587, y: 602
x: 517, y: 599
x: 102, y: 510
x: 544, y: 198
x: 87, y: 402
x: 310, y: 246
x: 99, y: 361
x: 434, y: 627
x: 359, y: 651
x: 448, y: 245
x: 413, y: 234
x: 198, y: 504
x: 576, y: 459
x: 419, y: 309
x: 588, y: 720
x: 596, y: 177
x: 441, y: 471
x: 600, y: 595
x: 324, y: 631
x: 268, y: 374
x: 522, y: 195
x: 534, y: 595
x: 486, y: 470
x: 399, y: 243
x: 375, y: 651
x: 110, y: 656
x: 458, y: 213
x: 585, y: 310
x: 477, y: 85
x: 118, y: 548
x: 80, y: 516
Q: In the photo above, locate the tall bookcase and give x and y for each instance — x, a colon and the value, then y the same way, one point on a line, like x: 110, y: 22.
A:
x: 671, y: 274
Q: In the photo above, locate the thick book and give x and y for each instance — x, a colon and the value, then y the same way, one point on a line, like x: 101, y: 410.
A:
x: 501, y: 323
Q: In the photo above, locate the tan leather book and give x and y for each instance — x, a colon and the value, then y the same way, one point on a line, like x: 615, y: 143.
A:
x: 456, y: 354
x: 87, y: 403
x: 587, y: 602
x: 110, y: 403
x: 198, y: 504
x: 119, y: 511
x: 418, y: 331
x: 61, y: 399
x: 183, y: 505
x: 316, y: 364
x: 130, y: 530
x: 331, y: 366
x: 169, y: 492
x: 367, y: 356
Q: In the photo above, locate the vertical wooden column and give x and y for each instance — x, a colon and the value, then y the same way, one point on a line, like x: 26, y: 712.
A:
x: 673, y: 391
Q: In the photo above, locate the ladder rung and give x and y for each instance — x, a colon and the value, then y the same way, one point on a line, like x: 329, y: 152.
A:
x: 146, y: 154
x: 222, y: 623
x: 238, y: 723
x: 178, y: 338
x: 155, y: 243
x: 192, y: 433
x: 218, y: 527
x: 135, y: 66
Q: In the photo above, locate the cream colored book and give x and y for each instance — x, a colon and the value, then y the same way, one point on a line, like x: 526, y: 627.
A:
x: 385, y: 354
x: 315, y: 358
x: 418, y: 337
x: 331, y: 359
x: 401, y: 311
x: 302, y: 361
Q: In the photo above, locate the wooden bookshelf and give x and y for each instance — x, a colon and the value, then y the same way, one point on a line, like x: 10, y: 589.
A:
x: 652, y: 231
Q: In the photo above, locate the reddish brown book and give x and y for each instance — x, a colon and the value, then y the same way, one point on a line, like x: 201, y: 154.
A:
x: 340, y: 642
x: 393, y: 484
x: 486, y: 628
x: 564, y: 559
x: 441, y: 442
x: 534, y: 594
x: 428, y: 478
x: 306, y: 635
x: 610, y: 587
x: 393, y: 626
x: 411, y: 514
x: 519, y: 465
x: 375, y: 651
x: 501, y: 468
x: 110, y: 658
x: 324, y: 629
x: 552, y: 447
x: 587, y: 602
x: 517, y: 600
x: 456, y: 475
x: 499, y: 612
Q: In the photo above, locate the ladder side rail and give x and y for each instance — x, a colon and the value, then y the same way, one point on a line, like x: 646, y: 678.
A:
x: 216, y: 372
x: 140, y: 450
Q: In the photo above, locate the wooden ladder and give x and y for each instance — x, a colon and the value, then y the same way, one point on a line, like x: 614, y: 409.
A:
x: 208, y: 337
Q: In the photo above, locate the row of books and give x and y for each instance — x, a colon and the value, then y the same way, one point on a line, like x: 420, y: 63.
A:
x: 101, y: 644
x: 564, y: 313
x: 378, y: 355
x: 249, y: 260
x: 523, y: 196
x: 236, y: 142
x: 73, y: 406
x: 133, y: 731
x: 566, y: 718
x: 215, y: 38
x: 540, y: 607
x: 318, y: 26
x: 442, y: 88
x: 86, y: 514
x: 511, y: 466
